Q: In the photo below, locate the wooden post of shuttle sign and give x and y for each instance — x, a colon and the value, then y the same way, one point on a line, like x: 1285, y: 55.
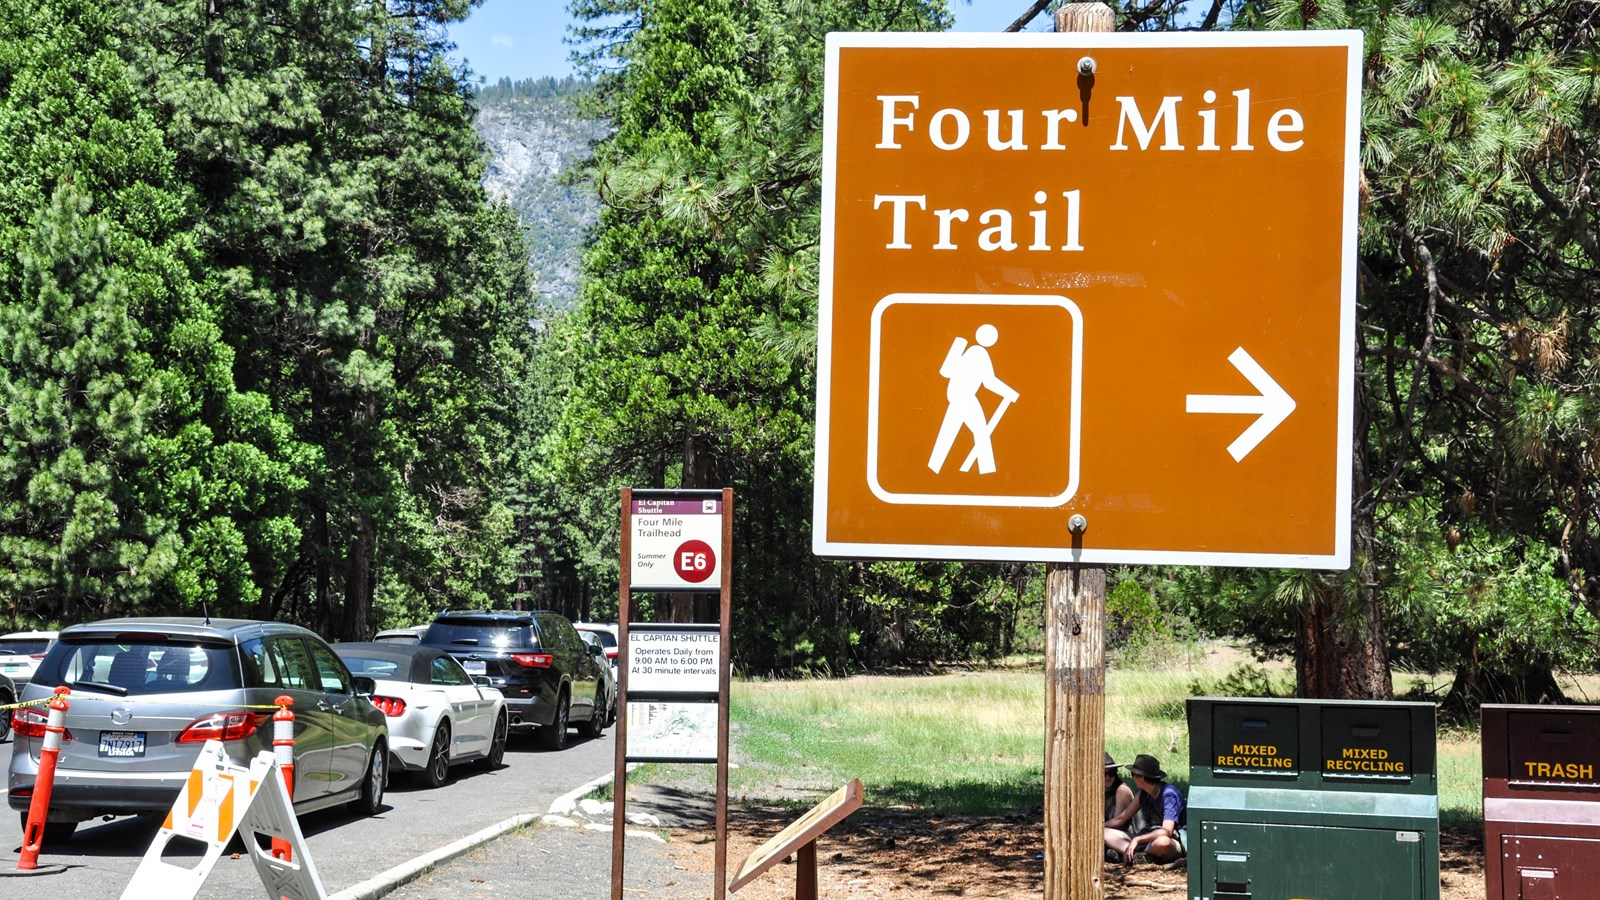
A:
x: 1075, y: 662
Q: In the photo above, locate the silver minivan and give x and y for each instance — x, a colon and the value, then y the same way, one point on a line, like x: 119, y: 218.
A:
x: 147, y: 693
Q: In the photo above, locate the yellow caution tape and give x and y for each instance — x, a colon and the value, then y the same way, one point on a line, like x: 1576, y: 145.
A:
x: 42, y: 701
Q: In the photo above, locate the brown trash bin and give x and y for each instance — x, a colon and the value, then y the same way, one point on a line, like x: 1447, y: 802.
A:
x: 1541, y: 802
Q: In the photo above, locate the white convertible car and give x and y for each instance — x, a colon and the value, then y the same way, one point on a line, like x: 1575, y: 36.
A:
x: 439, y: 716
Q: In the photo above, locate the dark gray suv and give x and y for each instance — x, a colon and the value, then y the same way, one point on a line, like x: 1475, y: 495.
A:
x: 548, y: 675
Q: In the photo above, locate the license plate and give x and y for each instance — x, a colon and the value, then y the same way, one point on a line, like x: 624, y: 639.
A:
x: 475, y: 667
x: 124, y: 744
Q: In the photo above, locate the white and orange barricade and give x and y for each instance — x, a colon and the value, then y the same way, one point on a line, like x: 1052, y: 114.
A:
x: 220, y: 800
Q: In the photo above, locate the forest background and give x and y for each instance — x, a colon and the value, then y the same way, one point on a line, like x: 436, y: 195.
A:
x: 272, y: 350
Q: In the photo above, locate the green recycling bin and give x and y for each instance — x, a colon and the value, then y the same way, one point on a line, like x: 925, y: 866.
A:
x: 1312, y: 800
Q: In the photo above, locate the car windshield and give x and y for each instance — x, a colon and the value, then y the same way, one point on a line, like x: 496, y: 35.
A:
x: 371, y: 666
x: 606, y: 638
x: 118, y: 665
x: 23, y: 646
x: 483, y: 635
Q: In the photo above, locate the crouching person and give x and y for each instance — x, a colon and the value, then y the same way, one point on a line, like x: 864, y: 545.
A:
x: 1162, y: 817
x: 1120, y: 807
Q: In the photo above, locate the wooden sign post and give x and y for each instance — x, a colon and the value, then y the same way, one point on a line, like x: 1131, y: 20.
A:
x: 1075, y: 670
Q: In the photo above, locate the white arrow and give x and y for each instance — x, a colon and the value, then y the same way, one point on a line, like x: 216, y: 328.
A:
x: 1271, y: 404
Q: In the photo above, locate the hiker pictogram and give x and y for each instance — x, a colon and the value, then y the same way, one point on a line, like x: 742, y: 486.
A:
x: 945, y: 426
x: 970, y: 370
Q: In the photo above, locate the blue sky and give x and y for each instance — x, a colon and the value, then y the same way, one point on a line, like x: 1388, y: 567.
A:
x: 522, y: 38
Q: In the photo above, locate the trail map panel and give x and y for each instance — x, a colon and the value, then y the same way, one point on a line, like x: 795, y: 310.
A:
x: 672, y: 731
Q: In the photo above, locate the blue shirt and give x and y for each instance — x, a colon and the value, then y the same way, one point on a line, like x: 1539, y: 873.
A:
x: 1168, y: 805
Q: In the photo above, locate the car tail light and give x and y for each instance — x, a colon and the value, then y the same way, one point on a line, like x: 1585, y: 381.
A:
x: 36, y: 656
x: 611, y: 653
x: 29, y: 722
x: 228, y: 726
x: 389, y: 706
x: 533, y: 660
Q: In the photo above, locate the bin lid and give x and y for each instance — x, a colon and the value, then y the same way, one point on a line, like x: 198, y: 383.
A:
x: 1372, y: 741
x: 1342, y: 745
x: 1255, y: 739
x: 1544, y: 746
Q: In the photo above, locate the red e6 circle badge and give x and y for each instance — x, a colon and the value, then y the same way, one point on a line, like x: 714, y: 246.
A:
x: 694, y: 561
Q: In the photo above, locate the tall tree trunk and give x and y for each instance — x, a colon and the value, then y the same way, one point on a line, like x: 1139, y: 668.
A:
x: 1366, y: 673
x: 357, y: 620
x: 323, y: 542
x: 213, y: 42
x: 696, y: 474
x: 1342, y: 647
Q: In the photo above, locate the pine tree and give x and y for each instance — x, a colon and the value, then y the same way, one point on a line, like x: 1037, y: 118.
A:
x: 136, y: 478
x: 373, y: 292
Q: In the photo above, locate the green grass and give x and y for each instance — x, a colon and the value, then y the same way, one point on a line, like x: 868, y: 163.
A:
x: 973, y: 742
x: 968, y: 742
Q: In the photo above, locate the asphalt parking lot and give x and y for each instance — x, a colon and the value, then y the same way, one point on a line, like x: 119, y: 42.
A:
x: 362, y: 856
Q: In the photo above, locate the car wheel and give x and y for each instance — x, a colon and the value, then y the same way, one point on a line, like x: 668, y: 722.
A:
x: 437, y: 770
x: 497, y: 746
x: 596, y: 726
x: 54, y: 832
x: 554, y: 735
x: 5, y: 715
x: 371, y: 799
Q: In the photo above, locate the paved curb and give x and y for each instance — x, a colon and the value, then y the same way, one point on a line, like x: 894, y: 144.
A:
x: 566, y: 803
x: 385, y: 882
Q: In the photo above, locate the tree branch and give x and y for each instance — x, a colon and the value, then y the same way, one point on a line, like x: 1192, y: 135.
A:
x: 1420, y: 250
x: 1585, y: 239
x: 1439, y: 367
x: 1023, y: 20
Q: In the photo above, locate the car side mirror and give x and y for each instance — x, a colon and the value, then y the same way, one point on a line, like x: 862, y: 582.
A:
x: 596, y: 650
x: 482, y: 681
x: 365, y: 685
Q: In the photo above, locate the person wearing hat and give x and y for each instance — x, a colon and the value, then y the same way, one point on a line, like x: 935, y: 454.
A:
x: 1120, y: 807
x: 1161, y: 803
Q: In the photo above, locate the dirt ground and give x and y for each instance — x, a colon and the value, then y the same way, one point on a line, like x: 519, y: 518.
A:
x: 893, y: 854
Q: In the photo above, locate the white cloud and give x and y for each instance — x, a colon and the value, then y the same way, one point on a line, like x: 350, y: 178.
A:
x: 501, y: 40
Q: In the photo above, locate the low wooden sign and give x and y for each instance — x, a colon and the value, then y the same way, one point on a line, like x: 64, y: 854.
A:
x: 800, y: 840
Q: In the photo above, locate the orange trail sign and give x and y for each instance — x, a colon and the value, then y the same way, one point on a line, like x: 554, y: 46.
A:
x: 1126, y: 295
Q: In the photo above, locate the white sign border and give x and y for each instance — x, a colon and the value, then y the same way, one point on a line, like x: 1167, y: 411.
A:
x: 1339, y: 559
x: 1074, y: 387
